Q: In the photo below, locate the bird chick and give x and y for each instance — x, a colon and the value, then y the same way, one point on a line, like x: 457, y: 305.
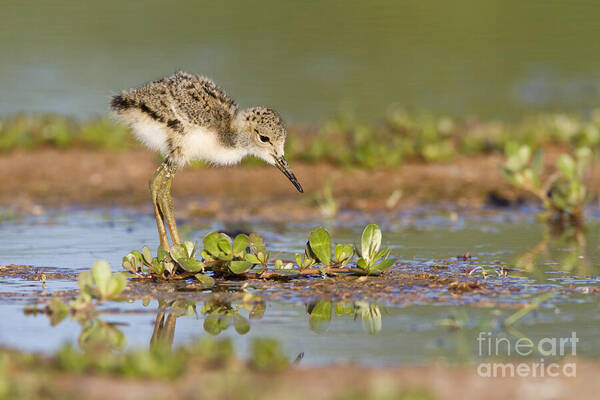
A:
x: 187, y: 117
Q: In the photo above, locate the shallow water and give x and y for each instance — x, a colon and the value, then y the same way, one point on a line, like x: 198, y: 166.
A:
x: 436, y: 326
x: 308, y: 59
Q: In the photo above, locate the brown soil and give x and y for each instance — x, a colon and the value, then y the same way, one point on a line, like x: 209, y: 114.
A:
x: 49, y: 178
x: 30, y: 273
x: 434, y: 381
x: 398, y: 286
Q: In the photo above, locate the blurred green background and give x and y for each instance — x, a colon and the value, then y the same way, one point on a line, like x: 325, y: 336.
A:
x: 309, y: 59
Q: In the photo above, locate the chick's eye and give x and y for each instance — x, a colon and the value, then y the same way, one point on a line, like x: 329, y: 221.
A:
x: 264, y: 139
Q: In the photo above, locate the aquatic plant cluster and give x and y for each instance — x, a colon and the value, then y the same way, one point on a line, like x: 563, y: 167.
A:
x: 28, y: 132
x: 404, y: 136
x: 160, y: 373
x: 342, y: 140
x: 97, y: 285
x: 157, y: 362
x: 247, y: 253
x: 563, y: 193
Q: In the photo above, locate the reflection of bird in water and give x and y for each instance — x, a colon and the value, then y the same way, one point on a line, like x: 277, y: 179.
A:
x: 187, y: 117
x: 164, y: 331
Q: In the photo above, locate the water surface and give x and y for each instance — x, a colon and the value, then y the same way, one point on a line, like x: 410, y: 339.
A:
x: 440, y: 326
x: 499, y: 58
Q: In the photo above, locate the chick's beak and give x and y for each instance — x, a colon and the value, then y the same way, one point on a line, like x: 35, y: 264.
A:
x: 283, y: 166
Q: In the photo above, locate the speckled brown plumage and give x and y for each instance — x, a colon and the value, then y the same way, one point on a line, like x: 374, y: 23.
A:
x: 182, y: 100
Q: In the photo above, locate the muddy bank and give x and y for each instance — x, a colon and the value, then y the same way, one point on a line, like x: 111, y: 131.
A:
x: 51, y: 178
x: 449, y: 283
x: 36, y: 377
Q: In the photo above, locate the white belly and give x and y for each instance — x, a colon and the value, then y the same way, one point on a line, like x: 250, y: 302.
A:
x: 197, y: 144
x: 148, y: 131
x: 202, y: 144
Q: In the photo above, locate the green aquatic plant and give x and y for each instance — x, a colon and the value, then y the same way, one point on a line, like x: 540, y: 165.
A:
x: 23, y: 131
x: 233, y: 256
x: 247, y: 255
x: 282, y: 265
x: 319, y: 243
x: 258, y: 251
x: 568, y: 193
x: 326, y: 202
x: 563, y: 194
x: 373, y: 260
x: 523, y: 170
x: 308, y: 260
x: 342, y: 140
x: 98, y: 284
x: 158, y: 362
x: 180, y: 259
x: 184, y: 256
x: 342, y: 254
x: 318, y: 250
x: 219, y: 254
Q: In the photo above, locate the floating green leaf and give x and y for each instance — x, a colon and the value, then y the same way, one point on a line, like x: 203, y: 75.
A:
x: 362, y: 264
x: 239, y: 267
x: 370, y: 241
x: 257, y: 243
x: 252, y: 258
x: 240, y: 244
x: 85, y: 281
x: 205, y: 280
x: 158, y: 266
x: 281, y: 266
x: 116, y: 284
x: 178, y: 252
x: 161, y: 253
x: 130, y: 264
x: 382, y: 266
x: 224, y: 243
x: 320, y: 244
x: 138, y: 256
x: 101, y: 273
x: 211, y: 243
x: 343, y: 253
x: 147, y: 255
x: 190, y: 248
x: 190, y: 264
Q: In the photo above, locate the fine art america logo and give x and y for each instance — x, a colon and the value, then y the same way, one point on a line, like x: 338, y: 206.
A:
x: 537, y: 352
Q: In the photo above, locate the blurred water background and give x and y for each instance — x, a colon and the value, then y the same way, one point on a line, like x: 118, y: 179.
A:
x: 309, y: 59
